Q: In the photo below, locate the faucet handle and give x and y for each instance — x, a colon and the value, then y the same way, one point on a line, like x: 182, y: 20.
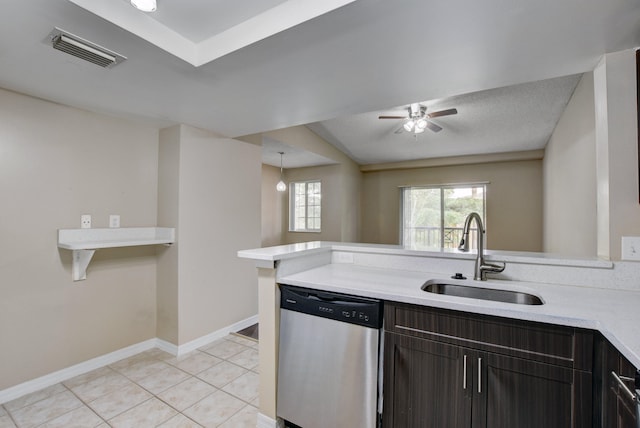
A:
x: 491, y: 268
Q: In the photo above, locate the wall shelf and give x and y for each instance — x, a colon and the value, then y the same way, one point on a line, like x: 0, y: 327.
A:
x: 84, y: 242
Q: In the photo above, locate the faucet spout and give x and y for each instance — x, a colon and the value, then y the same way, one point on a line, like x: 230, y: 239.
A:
x: 481, y: 267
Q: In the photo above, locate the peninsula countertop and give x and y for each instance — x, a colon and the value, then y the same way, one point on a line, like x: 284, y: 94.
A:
x: 612, y: 312
x: 585, y: 293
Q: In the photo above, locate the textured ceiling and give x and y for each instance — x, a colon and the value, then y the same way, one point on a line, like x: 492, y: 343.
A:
x: 515, y: 118
x: 365, y: 56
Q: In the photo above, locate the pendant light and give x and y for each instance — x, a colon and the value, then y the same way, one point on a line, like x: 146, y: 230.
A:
x: 144, y: 5
x: 281, y: 186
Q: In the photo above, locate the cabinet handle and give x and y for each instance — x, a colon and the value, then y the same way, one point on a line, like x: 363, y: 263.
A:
x: 479, y: 375
x: 623, y: 386
x: 464, y: 372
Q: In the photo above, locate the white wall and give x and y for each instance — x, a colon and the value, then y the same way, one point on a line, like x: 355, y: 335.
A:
x: 569, y: 177
x: 57, y: 163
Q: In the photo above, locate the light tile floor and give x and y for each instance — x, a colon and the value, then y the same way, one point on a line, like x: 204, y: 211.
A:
x: 215, y: 386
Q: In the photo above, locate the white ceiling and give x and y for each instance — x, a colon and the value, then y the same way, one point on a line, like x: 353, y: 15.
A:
x: 367, y: 55
x: 292, y: 157
x: 198, y: 20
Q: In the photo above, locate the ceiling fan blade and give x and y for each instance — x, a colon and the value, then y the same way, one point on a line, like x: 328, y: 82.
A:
x: 399, y: 130
x: 432, y: 126
x: 392, y: 117
x: 442, y: 113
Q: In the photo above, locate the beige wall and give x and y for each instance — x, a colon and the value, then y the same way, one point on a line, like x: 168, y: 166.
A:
x: 218, y: 214
x: 570, y: 214
x: 57, y: 163
x: 303, y: 138
x: 514, y: 201
x: 274, y: 206
x: 616, y: 151
x: 168, y: 216
x: 341, y: 188
x: 340, y: 203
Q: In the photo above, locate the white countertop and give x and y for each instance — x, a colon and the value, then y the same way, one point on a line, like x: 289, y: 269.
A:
x: 615, y: 313
x: 289, y: 251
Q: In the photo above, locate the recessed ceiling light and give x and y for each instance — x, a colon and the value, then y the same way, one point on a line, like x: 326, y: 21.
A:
x: 144, y: 5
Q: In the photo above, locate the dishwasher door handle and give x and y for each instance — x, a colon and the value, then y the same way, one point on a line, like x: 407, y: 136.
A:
x: 336, y: 301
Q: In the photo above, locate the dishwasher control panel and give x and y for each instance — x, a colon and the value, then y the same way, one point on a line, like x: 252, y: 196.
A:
x: 341, y: 307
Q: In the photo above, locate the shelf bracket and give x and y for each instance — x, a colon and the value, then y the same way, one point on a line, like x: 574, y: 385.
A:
x: 81, y: 259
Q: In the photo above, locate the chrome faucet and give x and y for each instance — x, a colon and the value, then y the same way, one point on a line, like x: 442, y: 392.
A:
x: 482, y: 267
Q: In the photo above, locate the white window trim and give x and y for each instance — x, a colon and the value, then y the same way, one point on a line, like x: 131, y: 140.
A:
x: 292, y: 208
x: 441, y: 187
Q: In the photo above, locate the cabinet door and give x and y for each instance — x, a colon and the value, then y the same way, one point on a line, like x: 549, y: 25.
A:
x: 513, y: 392
x: 618, y: 410
x: 425, y: 384
x: 626, y: 409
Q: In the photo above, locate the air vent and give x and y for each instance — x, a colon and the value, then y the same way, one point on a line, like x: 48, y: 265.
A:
x: 84, y: 49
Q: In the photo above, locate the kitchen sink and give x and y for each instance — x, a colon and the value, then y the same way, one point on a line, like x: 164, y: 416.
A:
x: 482, y: 293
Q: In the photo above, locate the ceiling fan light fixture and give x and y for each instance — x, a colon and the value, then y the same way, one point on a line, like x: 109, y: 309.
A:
x: 144, y: 5
x: 421, y: 124
x: 408, y: 125
x: 418, y: 130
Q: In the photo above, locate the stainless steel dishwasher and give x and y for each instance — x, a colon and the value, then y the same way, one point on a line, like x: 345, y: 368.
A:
x: 328, y: 359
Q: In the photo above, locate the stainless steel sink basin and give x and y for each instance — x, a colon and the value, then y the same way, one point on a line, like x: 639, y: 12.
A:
x: 482, y: 293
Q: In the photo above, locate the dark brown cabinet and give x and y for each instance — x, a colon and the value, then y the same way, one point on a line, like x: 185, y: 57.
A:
x: 450, y: 369
x: 618, y: 407
x: 426, y: 385
x: 523, y: 393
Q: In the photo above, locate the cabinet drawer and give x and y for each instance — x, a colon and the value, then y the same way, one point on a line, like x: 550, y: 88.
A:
x: 547, y: 343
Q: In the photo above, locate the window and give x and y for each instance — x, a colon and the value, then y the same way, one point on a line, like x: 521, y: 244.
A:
x: 304, y: 206
x: 433, y: 217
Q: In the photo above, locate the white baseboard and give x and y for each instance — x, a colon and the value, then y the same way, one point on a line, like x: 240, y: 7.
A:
x: 266, y: 422
x: 67, y: 373
x: 45, y: 381
x: 168, y: 347
x: 212, y: 337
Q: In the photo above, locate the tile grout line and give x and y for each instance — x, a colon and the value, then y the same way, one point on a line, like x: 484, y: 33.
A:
x: 10, y: 415
x: 152, y: 359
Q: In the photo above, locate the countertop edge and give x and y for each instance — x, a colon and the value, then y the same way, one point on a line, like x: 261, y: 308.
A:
x: 289, y: 251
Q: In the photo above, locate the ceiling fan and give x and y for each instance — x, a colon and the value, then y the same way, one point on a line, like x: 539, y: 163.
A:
x: 417, y: 119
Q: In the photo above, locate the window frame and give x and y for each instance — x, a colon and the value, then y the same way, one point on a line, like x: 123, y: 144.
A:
x: 442, y: 188
x: 292, y: 206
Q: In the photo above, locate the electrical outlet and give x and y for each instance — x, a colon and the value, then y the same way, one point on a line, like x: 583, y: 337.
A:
x: 85, y: 221
x: 114, y: 220
x: 631, y: 248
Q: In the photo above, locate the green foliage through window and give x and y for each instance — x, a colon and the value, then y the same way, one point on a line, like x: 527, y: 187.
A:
x: 433, y: 217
